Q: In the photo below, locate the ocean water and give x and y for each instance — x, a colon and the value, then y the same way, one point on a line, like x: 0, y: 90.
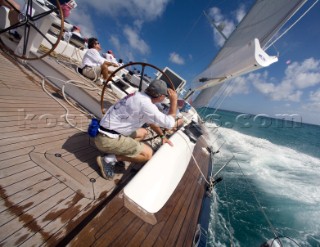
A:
x: 271, y: 188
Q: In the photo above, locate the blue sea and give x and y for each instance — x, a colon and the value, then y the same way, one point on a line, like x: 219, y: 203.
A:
x: 271, y: 188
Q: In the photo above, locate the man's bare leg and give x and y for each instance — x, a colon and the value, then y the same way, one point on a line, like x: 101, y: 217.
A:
x: 142, y: 157
x: 104, y: 71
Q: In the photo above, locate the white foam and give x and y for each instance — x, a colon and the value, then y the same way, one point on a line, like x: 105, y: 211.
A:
x: 289, y: 178
x: 277, y: 169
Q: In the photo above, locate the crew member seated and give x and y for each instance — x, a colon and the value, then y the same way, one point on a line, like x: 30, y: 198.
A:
x: 93, y: 64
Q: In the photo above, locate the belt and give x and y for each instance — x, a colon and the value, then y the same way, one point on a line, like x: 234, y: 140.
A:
x: 109, y: 131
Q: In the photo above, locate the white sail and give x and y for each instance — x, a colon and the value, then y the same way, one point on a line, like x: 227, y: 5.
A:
x: 243, y: 51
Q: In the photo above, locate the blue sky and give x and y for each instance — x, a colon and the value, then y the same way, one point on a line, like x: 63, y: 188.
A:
x: 176, y: 34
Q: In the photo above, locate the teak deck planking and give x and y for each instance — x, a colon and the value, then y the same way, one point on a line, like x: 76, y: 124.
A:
x: 52, y: 192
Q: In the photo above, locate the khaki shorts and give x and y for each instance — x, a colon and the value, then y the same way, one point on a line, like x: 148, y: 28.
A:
x: 123, y: 145
x: 92, y: 72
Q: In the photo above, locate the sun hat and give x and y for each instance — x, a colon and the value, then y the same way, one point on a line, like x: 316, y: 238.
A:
x: 157, y: 88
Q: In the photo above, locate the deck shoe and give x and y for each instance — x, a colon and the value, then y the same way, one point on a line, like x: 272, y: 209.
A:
x: 106, y: 168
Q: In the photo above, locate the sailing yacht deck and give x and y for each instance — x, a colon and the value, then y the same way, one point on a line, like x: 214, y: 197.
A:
x: 51, y: 189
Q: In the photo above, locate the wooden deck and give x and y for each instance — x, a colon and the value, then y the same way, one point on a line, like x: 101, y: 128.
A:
x: 176, y: 221
x: 51, y: 189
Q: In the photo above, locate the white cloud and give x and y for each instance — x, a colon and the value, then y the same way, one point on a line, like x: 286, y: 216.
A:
x: 138, y: 24
x: 135, y: 41
x: 312, y: 107
x: 216, y: 14
x: 305, y: 74
x: 240, y: 13
x: 80, y: 18
x: 315, y: 96
x: 239, y: 85
x: 137, y: 9
x: 314, y: 102
x: 114, y: 40
x: 298, y: 76
x: 176, y: 58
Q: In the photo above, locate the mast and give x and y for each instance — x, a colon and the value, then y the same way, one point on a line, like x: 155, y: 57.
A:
x: 218, y: 28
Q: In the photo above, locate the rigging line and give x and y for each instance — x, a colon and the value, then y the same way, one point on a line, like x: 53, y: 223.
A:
x: 202, y: 110
x: 216, y: 27
x: 83, y: 77
x: 278, y: 241
x: 227, y: 85
x: 208, y: 121
x: 66, y: 99
x: 62, y: 62
x: 224, y: 95
x: 255, y: 196
x: 91, y: 82
x: 178, y: 47
x: 63, y: 106
x: 292, y: 24
x: 190, y: 31
x: 192, y: 28
x: 252, y: 191
x: 278, y: 53
x: 63, y: 57
x: 218, y: 151
x: 197, y: 165
x: 72, y: 63
x: 224, y: 140
x: 224, y: 166
x: 61, y: 53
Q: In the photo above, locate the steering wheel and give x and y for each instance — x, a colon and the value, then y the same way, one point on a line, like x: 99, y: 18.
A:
x: 142, y: 76
x: 27, y: 21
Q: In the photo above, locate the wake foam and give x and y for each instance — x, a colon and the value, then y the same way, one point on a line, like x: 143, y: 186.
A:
x: 287, y: 180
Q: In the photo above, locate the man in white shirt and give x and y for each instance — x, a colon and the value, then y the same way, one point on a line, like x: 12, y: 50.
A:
x: 121, y: 129
x: 93, y: 64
